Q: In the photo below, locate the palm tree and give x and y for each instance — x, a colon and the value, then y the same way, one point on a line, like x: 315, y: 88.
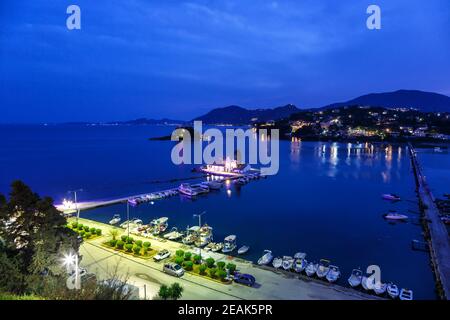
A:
x: 114, y: 233
x: 164, y: 292
x: 176, y: 291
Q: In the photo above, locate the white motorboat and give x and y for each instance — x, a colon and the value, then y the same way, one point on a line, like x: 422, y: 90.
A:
x: 334, y: 274
x: 229, y: 244
x: 173, y: 234
x: 205, y: 236
x: 214, y: 185
x: 391, y: 197
x: 191, y: 235
x: 266, y: 258
x: 392, y: 290
x: 406, y: 294
x: 115, y: 220
x: 200, y: 188
x: 323, y: 269
x: 159, y: 225
x: 277, y: 262
x: 395, y: 216
x: 243, y: 249
x: 355, y: 278
x: 134, y: 223
x: 300, y: 264
x: 186, y: 189
x: 311, y: 269
x: 288, y: 262
x: 380, y: 288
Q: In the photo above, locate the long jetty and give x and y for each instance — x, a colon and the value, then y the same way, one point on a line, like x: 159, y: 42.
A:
x: 439, y: 239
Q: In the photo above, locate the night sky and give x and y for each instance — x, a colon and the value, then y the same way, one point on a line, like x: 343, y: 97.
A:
x: 179, y: 59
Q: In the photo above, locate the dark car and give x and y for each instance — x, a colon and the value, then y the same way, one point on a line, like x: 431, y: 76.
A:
x: 243, y: 278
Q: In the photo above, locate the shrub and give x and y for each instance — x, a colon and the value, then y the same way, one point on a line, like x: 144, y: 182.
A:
x: 124, y: 238
x: 187, y: 256
x: 176, y: 291
x: 164, y: 292
x: 210, y: 262
x: 202, y: 269
x: 144, y: 250
x: 179, y: 253
x: 86, y: 228
x: 129, y: 247
x: 82, y: 232
x: 137, y: 249
x: 197, y: 258
x: 74, y: 225
x: 98, y: 232
x: 221, y: 274
x: 80, y: 226
x: 212, y: 272
x: 139, y: 243
x: 112, y: 243
x: 146, y: 244
x: 92, y: 230
x: 188, y: 265
x: 120, y: 244
x: 221, y: 265
x: 130, y: 240
x: 179, y: 260
x: 231, y: 267
x: 87, y: 235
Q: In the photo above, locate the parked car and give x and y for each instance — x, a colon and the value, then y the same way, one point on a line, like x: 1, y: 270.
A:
x: 173, y: 269
x: 163, y: 254
x: 243, y: 278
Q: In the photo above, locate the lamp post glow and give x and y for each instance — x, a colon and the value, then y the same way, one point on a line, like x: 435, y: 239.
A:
x: 199, y: 216
x: 71, y: 261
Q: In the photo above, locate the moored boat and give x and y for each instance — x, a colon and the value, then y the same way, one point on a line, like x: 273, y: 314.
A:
x: 186, y: 189
x: 324, y: 268
x: 229, y: 243
x: 391, y: 197
x: 243, y: 249
x: 333, y: 274
x: 395, y: 216
x: 173, y: 234
x: 191, y: 235
x: 288, y: 262
x: 214, y: 185
x: 368, y: 283
x: 115, y: 220
x: 311, y: 269
x: 300, y: 264
x: 159, y: 225
x: 277, y: 262
x: 392, y: 290
x: 205, y: 236
x: 406, y: 294
x: 355, y: 278
x: 379, y: 288
x: 266, y: 258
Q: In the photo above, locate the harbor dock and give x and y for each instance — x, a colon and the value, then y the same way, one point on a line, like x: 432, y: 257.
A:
x: 439, y: 239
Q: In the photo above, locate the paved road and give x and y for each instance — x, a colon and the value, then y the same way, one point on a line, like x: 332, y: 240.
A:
x: 270, y: 284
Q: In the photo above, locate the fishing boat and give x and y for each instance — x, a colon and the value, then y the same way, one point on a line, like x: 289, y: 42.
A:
x: 186, y: 189
x: 391, y: 197
x: 159, y: 225
x: 355, y: 278
x: 300, y: 264
x: 406, y: 294
x: 379, y: 288
x: 395, y: 216
x: 243, y: 249
x: 205, y: 236
x: 334, y: 274
x: 173, y: 234
x: 392, y: 290
x: 288, y: 262
x: 311, y: 269
x: 229, y: 244
x: 266, y: 258
x: 324, y: 268
x: 191, y: 235
x: 115, y: 220
x: 277, y: 262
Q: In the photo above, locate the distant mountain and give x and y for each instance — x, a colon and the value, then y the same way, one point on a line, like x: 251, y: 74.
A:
x: 238, y: 115
x: 145, y: 121
x: 424, y: 101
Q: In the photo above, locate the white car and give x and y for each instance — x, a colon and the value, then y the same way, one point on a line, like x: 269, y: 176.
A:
x: 163, y: 254
x: 173, y: 269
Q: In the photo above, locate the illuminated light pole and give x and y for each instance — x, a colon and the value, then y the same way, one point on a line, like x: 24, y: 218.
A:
x: 69, y: 261
x: 199, y: 216
x: 76, y: 203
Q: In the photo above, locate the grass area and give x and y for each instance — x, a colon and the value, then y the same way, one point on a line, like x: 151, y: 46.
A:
x: 10, y: 296
x: 85, y: 231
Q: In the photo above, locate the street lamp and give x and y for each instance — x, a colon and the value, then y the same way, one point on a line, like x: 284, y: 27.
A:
x: 199, y: 216
x: 76, y: 203
x: 69, y: 261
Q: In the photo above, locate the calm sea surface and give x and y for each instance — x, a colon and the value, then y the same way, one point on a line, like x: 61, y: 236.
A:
x: 325, y: 200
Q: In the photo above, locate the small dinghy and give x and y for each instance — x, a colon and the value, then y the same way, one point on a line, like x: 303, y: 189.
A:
x: 311, y: 269
x: 395, y: 216
x: 333, y: 274
x: 380, y: 288
x: 323, y: 269
x: 288, y: 262
x: 392, y: 290
x: 355, y: 278
x: 406, y: 294
x: 243, y: 249
x: 300, y: 265
x: 277, y: 262
x: 391, y: 197
x: 115, y: 220
x: 266, y: 258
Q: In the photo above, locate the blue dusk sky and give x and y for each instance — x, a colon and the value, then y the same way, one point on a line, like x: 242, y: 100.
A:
x: 179, y: 59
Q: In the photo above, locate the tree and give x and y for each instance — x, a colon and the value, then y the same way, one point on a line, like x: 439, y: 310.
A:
x: 202, y: 269
x: 197, y: 258
x: 164, y: 292
x: 221, y: 265
x: 187, y: 256
x: 231, y: 267
x: 176, y: 291
x: 179, y: 253
x: 114, y: 233
x: 210, y: 262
